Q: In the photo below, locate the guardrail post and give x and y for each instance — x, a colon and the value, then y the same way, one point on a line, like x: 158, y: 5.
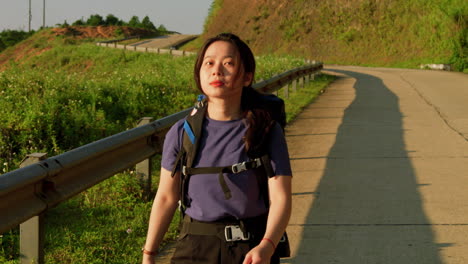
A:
x: 143, y: 169
x: 286, y: 91
x: 32, y: 231
x: 294, y: 83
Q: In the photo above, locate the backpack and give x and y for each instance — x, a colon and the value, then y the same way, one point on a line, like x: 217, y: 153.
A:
x: 259, y: 159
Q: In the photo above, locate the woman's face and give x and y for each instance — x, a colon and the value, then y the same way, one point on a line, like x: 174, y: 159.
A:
x: 222, y: 73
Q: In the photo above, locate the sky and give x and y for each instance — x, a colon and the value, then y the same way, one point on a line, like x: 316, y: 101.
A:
x: 184, y: 16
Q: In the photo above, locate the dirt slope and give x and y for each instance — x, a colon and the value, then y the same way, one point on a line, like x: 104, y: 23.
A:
x: 44, y: 40
x: 100, y: 31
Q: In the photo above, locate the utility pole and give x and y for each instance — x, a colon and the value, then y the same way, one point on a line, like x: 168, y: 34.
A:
x: 43, y: 16
x: 30, y: 16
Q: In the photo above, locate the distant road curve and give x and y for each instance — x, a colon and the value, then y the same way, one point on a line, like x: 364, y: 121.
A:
x: 446, y: 92
x: 165, y: 42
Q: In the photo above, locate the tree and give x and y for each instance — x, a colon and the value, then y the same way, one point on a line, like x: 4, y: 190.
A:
x: 79, y: 22
x: 112, y: 20
x: 162, y: 29
x: 95, y: 20
x: 134, y: 22
x: 2, y: 45
x: 9, y: 38
x: 65, y: 24
x: 147, y: 24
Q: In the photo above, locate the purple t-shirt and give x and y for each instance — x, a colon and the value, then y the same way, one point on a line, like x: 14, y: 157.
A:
x: 222, y: 145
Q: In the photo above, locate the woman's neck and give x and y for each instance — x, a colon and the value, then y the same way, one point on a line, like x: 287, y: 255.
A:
x: 224, y: 110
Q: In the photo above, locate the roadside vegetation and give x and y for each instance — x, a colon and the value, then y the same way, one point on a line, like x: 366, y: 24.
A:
x: 9, y: 37
x: 68, y: 92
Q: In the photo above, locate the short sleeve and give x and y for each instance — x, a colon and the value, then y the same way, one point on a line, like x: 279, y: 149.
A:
x: 278, y: 151
x: 172, y: 145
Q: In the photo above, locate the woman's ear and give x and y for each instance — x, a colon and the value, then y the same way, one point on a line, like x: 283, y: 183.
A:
x: 248, y: 78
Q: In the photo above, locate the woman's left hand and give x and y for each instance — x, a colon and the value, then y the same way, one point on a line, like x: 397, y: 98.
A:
x: 260, y: 254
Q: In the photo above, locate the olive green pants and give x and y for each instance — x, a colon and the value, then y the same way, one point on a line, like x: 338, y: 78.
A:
x: 201, y: 249
x: 205, y: 243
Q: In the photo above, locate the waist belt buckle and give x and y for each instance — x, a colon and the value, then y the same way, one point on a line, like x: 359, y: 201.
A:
x: 235, y: 233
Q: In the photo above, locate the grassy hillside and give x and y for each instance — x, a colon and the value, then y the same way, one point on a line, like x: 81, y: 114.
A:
x: 403, y: 33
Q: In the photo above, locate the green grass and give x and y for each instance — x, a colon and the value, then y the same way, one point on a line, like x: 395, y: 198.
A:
x: 304, y: 96
x: 75, y: 93
x: 216, y: 5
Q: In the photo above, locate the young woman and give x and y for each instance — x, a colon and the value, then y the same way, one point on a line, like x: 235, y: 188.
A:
x: 224, y: 72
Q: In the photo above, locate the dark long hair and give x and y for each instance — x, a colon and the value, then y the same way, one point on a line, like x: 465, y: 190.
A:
x: 258, y: 119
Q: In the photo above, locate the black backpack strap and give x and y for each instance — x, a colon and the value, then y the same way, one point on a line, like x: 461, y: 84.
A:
x: 263, y: 174
x: 192, y: 128
x: 226, y: 190
x: 236, y: 168
x: 179, y: 162
x: 191, y: 139
x: 267, y: 165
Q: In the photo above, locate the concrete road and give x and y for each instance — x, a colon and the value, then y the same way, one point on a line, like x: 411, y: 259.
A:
x: 380, y: 165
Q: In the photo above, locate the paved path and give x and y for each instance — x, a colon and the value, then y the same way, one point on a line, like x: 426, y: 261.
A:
x: 380, y: 165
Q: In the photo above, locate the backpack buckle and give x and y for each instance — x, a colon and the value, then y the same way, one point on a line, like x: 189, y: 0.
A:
x: 235, y: 233
x: 246, y: 165
x: 239, y: 167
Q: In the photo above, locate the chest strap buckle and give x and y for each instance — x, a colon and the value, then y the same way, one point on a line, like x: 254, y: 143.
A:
x: 246, y: 165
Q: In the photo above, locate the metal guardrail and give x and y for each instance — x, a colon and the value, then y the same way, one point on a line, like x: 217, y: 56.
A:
x: 146, y: 49
x: 173, y: 50
x: 29, y: 191
x: 118, y: 40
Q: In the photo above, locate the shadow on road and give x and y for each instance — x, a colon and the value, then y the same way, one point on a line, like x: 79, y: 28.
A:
x: 368, y: 207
